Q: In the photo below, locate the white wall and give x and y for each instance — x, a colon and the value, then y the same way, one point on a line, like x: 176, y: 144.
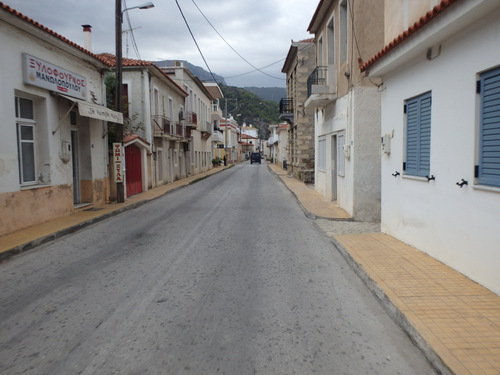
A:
x: 49, y: 109
x: 459, y: 226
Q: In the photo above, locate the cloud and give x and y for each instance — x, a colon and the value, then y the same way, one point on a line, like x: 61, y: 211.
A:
x: 260, y: 30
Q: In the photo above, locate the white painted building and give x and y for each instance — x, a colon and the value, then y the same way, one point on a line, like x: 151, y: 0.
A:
x: 197, y: 117
x: 53, y: 150
x: 346, y: 105
x: 441, y: 131
x: 231, y: 138
x: 155, y: 139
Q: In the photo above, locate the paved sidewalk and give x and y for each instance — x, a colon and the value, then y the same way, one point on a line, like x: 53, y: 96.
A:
x: 455, y: 321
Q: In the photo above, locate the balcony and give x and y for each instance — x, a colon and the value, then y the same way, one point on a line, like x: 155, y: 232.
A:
x: 286, y: 110
x: 191, y: 119
x: 206, y: 129
x: 216, y: 113
x: 321, y: 87
x: 218, y: 137
x: 161, y: 125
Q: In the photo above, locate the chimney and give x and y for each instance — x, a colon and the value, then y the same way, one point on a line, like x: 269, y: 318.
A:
x: 87, y: 40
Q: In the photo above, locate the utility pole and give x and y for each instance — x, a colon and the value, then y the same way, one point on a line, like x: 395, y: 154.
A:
x: 120, y: 190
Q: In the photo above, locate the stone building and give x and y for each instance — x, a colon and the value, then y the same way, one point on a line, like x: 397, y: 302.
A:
x: 299, y: 64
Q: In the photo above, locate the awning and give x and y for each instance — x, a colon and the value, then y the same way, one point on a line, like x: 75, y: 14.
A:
x: 96, y: 111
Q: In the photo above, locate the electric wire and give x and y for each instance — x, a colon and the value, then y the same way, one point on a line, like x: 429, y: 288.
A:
x: 195, y: 42
x: 234, y: 50
x: 132, y: 37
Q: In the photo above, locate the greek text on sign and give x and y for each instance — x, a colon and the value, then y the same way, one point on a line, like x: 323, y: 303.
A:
x: 42, y: 74
x: 118, y: 162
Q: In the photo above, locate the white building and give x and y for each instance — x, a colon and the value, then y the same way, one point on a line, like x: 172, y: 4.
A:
x: 346, y: 105
x: 197, y: 116
x: 231, y: 138
x: 155, y: 139
x: 53, y: 150
x: 441, y: 132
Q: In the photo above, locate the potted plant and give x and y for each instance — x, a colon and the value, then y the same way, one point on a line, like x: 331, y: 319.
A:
x: 216, y: 162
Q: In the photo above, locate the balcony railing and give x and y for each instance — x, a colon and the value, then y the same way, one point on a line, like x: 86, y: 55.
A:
x: 286, y: 105
x: 286, y: 110
x: 207, y: 127
x: 317, y: 77
x: 191, y: 119
x: 161, y: 124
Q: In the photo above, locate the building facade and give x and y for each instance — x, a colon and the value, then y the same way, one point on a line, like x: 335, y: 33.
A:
x: 299, y: 64
x: 197, y: 117
x: 441, y: 132
x: 346, y: 105
x: 53, y: 151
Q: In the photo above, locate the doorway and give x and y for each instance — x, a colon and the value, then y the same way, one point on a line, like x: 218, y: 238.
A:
x: 333, y: 167
x: 133, y: 162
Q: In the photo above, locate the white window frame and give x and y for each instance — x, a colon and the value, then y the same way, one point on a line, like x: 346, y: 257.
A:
x: 322, y: 154
x: 31, y: 123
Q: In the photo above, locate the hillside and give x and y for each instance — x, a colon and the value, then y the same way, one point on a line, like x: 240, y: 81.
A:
x: 274, y: 94
x: 251, y: 108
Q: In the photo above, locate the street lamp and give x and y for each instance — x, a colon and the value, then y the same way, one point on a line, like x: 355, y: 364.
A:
x: 120, y: 191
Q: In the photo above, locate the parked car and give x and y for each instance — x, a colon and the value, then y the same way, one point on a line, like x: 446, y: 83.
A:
x: 255, y: 158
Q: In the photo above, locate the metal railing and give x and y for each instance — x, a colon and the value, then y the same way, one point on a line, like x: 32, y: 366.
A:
x: 191, y: 119
x: 286, y: 105
x: 317, y: 77
x: 162, y: 124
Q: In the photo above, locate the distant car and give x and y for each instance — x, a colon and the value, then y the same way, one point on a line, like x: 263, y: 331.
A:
x: 255, y: 158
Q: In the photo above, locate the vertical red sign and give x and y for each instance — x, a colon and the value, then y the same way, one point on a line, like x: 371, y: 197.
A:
x: 118, y: 162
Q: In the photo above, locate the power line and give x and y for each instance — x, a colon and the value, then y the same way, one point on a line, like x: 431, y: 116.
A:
x: 134, y: 44
x: 195, y: 42
x: 229, y: 45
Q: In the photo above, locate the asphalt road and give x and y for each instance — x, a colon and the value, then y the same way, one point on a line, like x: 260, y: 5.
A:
x: 226, y: 276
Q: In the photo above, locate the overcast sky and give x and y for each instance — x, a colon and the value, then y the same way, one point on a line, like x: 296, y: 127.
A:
x: 259, y: 30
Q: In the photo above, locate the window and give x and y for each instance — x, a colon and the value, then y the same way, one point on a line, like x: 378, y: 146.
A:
x: 343, y: 31
x: 418, y: 135
x: 331, y: 43
x: 322, y: 155
x: 488, y: 170
x: 25, y: 123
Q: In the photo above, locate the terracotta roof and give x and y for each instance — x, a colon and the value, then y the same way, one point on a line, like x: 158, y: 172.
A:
x: 47, y: 30
x: 110, y: 59
x: 310, y: 40
x: 424, y: 20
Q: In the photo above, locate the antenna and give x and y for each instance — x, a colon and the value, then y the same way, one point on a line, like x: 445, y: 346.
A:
x: 126, y: 37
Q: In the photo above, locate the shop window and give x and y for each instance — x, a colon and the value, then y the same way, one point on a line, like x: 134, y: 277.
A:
x: 25, y: 123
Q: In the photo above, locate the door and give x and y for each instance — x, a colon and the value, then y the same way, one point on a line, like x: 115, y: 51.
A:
x: 334, y: 167
x: 133, y: 165
x: 76, y: 167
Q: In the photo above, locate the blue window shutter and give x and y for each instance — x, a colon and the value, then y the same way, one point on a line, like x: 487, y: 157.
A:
x: 418, y: 135
x: 489, y: 137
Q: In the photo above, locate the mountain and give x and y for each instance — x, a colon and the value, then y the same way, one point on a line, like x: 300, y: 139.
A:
x: 274, y: 94
x: 198, y: 71
x: 251, y: 109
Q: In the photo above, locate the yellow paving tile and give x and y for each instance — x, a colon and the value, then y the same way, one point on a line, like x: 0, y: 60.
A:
x: 452, y: 313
